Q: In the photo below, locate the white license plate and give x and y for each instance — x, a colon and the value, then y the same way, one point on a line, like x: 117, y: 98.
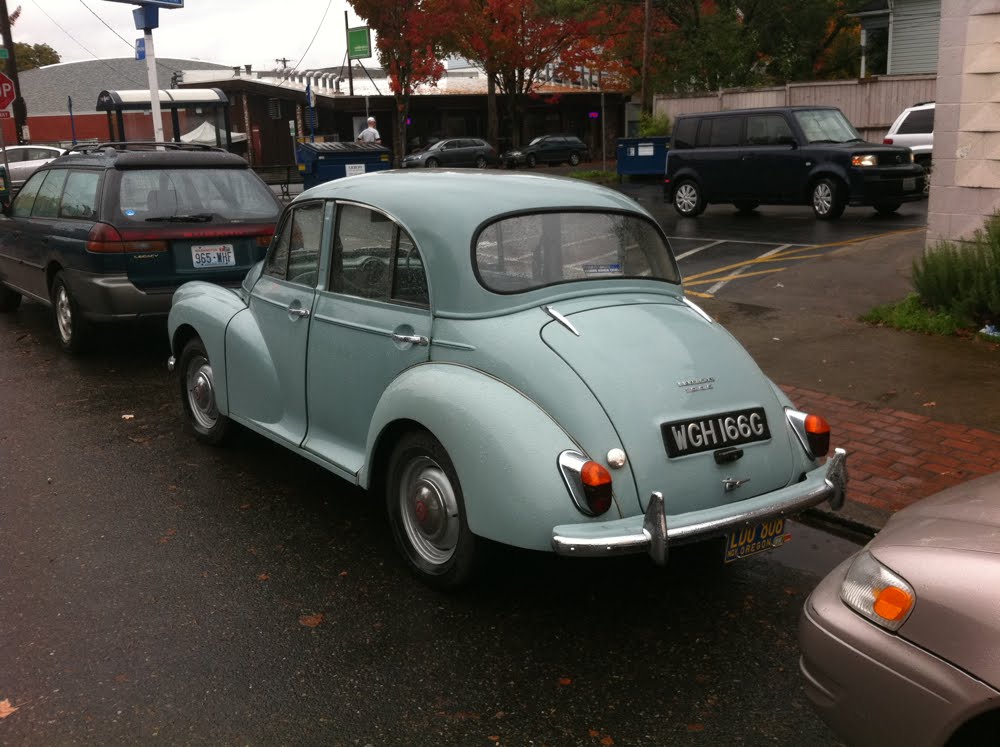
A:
x: 213, y: 255
x: 909, y: 184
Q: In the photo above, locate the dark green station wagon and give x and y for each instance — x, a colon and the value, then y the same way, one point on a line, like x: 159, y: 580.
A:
x: 109, y: 234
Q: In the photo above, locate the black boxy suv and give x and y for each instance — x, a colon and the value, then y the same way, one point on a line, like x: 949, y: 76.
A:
x: 109, y: 234
x: 795, y: 155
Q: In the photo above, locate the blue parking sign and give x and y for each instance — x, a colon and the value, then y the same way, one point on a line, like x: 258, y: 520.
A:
x: 140, y: 49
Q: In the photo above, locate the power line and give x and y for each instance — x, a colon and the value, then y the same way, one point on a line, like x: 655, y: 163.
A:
x: 320, y: 26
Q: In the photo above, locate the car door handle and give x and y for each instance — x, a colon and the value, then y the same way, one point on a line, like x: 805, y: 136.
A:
x: 298, y: 311
x: 414, y: 339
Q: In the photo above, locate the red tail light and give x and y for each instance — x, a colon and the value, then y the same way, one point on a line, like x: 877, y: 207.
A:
x: 818, y: 435
x: 596, y: 487
x: 105, y: 239
x: 887, y: 140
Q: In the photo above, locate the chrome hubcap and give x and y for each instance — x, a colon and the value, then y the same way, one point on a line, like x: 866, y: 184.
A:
x: 64, y: 315
x: 201, y: 392
x: 686, y: 198
x: 822, y: 198
x: 429, y: 510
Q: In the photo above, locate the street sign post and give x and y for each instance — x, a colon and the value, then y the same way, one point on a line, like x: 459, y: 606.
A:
x: 140, y: 49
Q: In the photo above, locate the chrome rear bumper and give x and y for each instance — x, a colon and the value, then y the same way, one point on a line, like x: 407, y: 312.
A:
x: 651, y: 532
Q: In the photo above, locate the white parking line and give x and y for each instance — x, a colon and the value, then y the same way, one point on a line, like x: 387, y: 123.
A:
x: 715, y: 288
x: 699, y: 248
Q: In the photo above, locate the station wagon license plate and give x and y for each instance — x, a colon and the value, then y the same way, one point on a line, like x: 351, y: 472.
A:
x: 684, y: 437
x: 213, y: 255
x: 757, y: 538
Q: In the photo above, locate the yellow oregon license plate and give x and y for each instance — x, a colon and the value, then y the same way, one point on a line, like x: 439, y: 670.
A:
x: 756, y: 538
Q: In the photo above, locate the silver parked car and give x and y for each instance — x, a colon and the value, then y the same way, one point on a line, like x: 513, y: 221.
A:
x: 901, y: 642
x: 25, y: 159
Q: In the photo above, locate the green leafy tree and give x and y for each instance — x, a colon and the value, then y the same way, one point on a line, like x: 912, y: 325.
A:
x: 30, y: 56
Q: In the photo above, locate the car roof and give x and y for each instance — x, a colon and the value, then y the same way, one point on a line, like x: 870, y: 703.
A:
x: 110, y: 158
x: 757, y: 110
x: 419, y: 200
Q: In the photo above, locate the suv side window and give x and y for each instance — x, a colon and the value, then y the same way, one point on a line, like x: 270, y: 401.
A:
x: 80, y: 195
x: 767, y: 129
x: 25, y: 199
x: 47, y: 201
x: 685, y: 133
x: 918, y: 121
x: 726, y: 131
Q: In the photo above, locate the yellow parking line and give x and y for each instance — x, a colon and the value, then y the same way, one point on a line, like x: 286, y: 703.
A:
x: 747, y: 263
x: 734, y: 277
x: 689, y: 292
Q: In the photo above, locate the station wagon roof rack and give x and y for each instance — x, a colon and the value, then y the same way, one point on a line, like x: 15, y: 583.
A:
x: 122, y: 145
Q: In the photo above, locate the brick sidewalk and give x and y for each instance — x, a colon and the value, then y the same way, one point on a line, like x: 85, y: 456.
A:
x: 896, y: 457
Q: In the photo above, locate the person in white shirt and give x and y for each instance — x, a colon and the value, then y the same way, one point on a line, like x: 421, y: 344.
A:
x: 370, y: 134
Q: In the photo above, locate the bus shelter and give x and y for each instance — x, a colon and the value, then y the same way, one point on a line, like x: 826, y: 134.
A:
x: 183, y: 111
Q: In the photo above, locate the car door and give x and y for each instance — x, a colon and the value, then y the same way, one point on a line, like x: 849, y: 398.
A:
x: 266, y: 345
x: 718, y: 158
x: 451, y: 153
x: 771, y: 161
x: 43, y: 236
x: 372, y: 323
x: 17, y: 241
x: 15, y: 158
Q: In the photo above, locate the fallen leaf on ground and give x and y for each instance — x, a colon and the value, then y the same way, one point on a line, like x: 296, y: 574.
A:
x: 128, y: 417
x: 607, y: 741
x: 6, y: 709
x: 930, y: 404
x: 263, y: 577
x: 696, y: 727
x: 343, y: 573
x: 493, y: 738
x: 311, y: 621
x: 594, y: 733
x: 565, y: 681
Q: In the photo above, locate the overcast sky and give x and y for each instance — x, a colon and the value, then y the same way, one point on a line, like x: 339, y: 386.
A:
x: 230, y: 32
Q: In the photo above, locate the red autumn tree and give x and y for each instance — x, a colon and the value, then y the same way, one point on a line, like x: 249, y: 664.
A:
x: 409, y: 36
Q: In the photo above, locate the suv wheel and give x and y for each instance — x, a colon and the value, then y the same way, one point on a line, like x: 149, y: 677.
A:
x: 827, y: 199
x: 9, y: 299
x: 688, y: 200
x: 531, y: 160
x: 432, y: 163
x: 481, y: 162
x: 574, y: 159
x: 72, y: 328
x: 887, y: 208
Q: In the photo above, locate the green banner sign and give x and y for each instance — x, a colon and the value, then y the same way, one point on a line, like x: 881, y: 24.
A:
x: 359, y: 43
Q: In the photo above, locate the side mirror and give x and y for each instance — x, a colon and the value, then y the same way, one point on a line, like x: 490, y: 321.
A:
x: 788, y: 140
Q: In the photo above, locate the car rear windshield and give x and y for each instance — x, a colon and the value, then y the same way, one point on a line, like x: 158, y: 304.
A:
x: 523, y: 252
x: 200, y: 194
x: 826, y: 126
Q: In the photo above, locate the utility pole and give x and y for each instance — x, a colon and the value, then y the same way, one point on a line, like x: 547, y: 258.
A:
x: 284, y: 62
x: 644, y: 89
x: 20, y: 109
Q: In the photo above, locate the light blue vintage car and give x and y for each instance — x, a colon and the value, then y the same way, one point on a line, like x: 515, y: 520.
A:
x: 501, y: 356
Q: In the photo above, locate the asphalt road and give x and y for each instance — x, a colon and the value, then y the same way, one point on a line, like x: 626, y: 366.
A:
x: 154, y: 589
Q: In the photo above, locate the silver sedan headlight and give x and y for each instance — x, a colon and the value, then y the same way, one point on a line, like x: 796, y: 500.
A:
x: 875, y: 592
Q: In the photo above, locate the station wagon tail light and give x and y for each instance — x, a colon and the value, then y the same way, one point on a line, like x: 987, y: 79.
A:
x: 589, y: 483
x: 877, y: 593
x: 887, y: 141
x: 867, y: 159
x: 104, y: 239
x: 812, y: 431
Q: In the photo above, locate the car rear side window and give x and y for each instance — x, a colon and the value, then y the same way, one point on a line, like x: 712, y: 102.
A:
x: 47, y: 201
x: 685, y: 133
x: 524, y: 252
x: 409, y: 283
x: 295, y: 255
x: 25, y: 199
x: 80, y: 195
x: 361, y: 250
x: 917, y: 121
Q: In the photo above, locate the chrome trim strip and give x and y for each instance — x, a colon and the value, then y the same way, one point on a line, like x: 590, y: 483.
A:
x: 171, y: 363
x: 561, y: 319
x: 697, y: 309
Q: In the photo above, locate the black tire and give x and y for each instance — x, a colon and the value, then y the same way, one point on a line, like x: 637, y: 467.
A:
x: 828, y: 201
x: 531, y: 160
x: 746, y: 206
x: 198, y: 395
x: 426, y: 510
x: 72, y: 329
x: 688, y: 199
x: 432, y: 163
x: 9, y: 299
x: 574, y: 159
x: 887, y: 208
x: 481, y: 162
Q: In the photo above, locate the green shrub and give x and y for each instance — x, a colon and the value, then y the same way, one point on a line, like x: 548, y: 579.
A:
x: 911, y: 314
x: 650, y: 125
x: 598, y: 176
x: 963, y: 281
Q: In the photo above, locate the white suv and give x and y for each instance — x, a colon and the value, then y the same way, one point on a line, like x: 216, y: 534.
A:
x: 914, y: 128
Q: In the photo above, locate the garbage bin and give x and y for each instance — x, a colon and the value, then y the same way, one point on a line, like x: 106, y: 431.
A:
x: 322, y: 162
x: 640, y: 156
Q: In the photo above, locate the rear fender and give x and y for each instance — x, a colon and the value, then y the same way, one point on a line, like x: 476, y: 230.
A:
x: 204, y: 310
x: 503, y: 446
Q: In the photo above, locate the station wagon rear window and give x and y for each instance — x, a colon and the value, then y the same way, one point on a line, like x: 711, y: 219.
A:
x: 524, y: 252
x: 149, y: 195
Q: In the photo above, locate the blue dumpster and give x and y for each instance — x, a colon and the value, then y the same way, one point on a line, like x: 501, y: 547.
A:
x: 642, y: 155
x: 322, y: 162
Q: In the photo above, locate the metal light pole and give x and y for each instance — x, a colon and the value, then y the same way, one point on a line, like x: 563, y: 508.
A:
x: 147, y: 18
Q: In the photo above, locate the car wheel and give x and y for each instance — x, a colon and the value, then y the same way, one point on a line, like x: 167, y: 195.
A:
x: 746, y: 206
x: 9, y: 299
x: 531, y: 160
x: 432, y: 163
x: 73, y: 330
x: 198, y: 393
x: 887, y: 208
x: 827, y: 199
x: 574, y: 159
x: 688, y: 200
x: 427, y: 513
x: 481, y: 162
